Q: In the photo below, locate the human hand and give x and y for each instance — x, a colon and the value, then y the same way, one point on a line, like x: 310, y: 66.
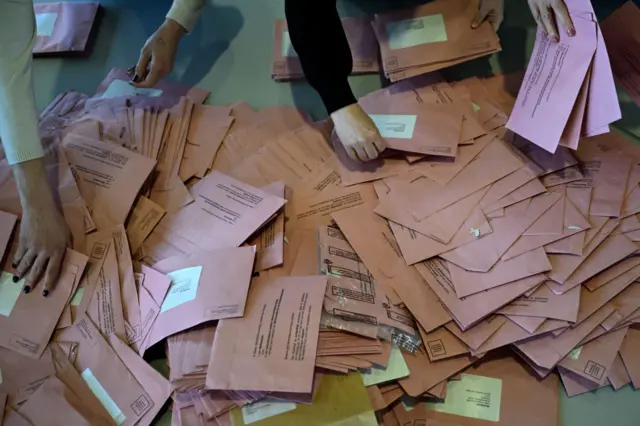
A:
x: 489, y: 10
x: 358, y: 133
x: 547, y: 13
x: 157, y: 55
x: 44, y: 234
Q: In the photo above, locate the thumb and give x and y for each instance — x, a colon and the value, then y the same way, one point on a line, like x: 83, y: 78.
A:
x: 481, y: 15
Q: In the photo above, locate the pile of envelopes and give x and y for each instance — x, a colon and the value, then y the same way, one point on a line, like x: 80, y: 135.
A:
x: 568, y: 91
x: 404, y: 43
x: 274, y: 281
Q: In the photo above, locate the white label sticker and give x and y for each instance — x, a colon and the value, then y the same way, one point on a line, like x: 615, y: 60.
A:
x: 9, y: 293
x: 45, y: 23
x: 184, y: 287
x: 119, y: 88
x: 264, y: 409
x: 107, y: 402
x: 395, y: 125
x: 287, y: 47
x: 416, y: 31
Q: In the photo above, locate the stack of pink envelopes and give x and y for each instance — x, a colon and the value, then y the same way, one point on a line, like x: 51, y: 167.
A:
x: 568, y: 91
x: 280, y: 282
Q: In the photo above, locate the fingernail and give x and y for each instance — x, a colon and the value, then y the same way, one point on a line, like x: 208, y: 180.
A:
x: 45, y: 293
x: 571, y: 32
x: 26, y: 289
x: 131, y: 70
x: 16, y: 279
x: 554, y: 39
x: 14, y: 265
x: 474, y: 25
x: 135, y: 78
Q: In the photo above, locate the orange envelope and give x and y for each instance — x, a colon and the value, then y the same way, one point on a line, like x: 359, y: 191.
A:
x: 479, y: 333
x: 270, y: 241
x: 526, y: 191
x: 510, y: 332
x: 492, y: 164
x: 107, y: 376
x: 474, y: 308
x: 109, y: 176
x: 482, y: 254
x: 7, y: 223
x: 611, y: 176
x: 22, y: 375
x: 529, y: 324
x: 594, y: 360
x: 544, y: 303
x: 505, y: 271
x: 18, y: 309
x: 283, y: 318
x: 205, y: 286
x: 625, y: 303
x: 442, y: 344
x: 547, y: 350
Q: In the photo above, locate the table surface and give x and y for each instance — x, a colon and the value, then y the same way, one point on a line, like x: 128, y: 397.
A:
x: 229, y: 53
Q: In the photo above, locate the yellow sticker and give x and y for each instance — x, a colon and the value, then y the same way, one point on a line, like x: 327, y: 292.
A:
x: 477, y: 397
x: 264, y: 409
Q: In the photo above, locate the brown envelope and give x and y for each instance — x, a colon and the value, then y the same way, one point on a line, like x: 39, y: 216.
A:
x: 270, y: 241
x: 16, y: 322
x: 3, y: 403
x: 610, y: 185
x: 54, y: 403
x: 503, y: 272
x: 625, y: 303
x: 510, y: 332
x: 424, y: 374
x: 205, y: 286
x: 529, y: 324
x: 594, y: 360
x: 482, y: 254
x: 109, y: 187
x: 552, y: 221
x: 591, y: 301
x: 442, y: 344
x: 280, y: 355
x: 106, y: 308
x: 479, y: 333
x: 492, y: 164
x: 474, y: 308
x: 157, y: 387
x: 459, y: 41
x: 21, y: 375
x: 540, y: 407
x: 104, y: 372
x: 547, y: 350
x: 561, y: 177
x: 544, y: 303
x: 7, y: 223
x: 629, y: 355
x: 573, y: 222
x: 370, y: 237
x: 612, y: 272
x: 67, y: 374
x: 618, y: 375
x: 526, y: 191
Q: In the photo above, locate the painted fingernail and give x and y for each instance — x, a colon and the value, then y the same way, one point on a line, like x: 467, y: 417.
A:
x: 45, y: 293
x: 554, y: 39
x: 135, y: 78
x: 571, y: 32
x: 26, y: 289
x: 14, y: 265
x: 16, y: 279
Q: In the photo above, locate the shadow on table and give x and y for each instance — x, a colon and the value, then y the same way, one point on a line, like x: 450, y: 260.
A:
x: 197, y: 54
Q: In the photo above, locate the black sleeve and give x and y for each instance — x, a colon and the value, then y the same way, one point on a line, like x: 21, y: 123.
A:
x: 319, y: 40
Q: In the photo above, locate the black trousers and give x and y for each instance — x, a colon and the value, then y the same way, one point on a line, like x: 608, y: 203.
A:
x: 319, y: 40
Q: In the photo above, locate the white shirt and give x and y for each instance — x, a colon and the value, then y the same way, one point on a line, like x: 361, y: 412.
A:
x: 18, y: 114
x: 186, y: 12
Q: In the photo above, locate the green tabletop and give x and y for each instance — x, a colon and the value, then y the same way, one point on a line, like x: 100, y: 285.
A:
x: 229, y: 53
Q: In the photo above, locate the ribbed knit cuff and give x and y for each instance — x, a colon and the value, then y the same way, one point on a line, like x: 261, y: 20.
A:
x: 21, y: 154
x: 183, y: 15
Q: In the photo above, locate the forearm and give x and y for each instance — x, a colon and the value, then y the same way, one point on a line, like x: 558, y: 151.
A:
x: 319, y: 40
x: 18, y: 114
x: 186, y: 12
x: 32, y: 182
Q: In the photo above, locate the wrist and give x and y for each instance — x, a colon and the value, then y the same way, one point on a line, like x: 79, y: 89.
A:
x: 172, y: 29
x: 31, y: 181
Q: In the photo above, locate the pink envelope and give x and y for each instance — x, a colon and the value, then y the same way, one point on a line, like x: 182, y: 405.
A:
x: 467, y: 283
x: 529, y: 324
x: 626, y: 303
x: 205, y: 286
x: 470, y: 310
x: 547, y: 350
x: 475, y: 336
x: 629, y: 355
x: 550, y: 89
x: 544, y: 303
x: 64, y: 28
